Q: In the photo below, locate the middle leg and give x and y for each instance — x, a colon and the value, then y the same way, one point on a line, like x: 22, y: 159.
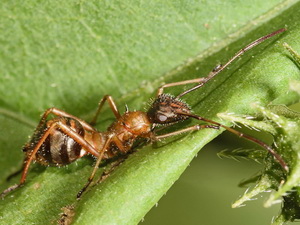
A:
x: 99, y: 159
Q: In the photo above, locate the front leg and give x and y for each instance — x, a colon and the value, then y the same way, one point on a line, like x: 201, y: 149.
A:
x: 185, y: 130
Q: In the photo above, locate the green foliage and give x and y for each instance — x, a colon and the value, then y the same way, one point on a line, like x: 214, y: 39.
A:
x: 69, y: 54
x: 286, y: 124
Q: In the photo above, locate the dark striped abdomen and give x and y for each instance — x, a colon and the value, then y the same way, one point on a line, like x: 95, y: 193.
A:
x: 59, y: 149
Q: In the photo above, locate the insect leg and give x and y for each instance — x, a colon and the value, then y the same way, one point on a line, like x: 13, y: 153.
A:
x: 188, y: 129
x: 68, y: 131
x: 161, y: 89
x: 56, y: 112
x: 220, y: 68
x: 248, y: 137
x: 112, y: 105
x: 31, y: 155
x: 99, y: 159
x: 59, y: 112
x: 203, y: 80
x: 113, y: 166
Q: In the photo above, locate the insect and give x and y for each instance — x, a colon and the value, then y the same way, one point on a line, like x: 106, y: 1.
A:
x: 66, y: 138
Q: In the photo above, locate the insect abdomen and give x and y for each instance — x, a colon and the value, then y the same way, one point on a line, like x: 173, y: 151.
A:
x: 58, y: 149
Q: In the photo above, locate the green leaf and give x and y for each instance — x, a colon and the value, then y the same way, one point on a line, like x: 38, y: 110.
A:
x: 69, y: 54
x: 285, y: 186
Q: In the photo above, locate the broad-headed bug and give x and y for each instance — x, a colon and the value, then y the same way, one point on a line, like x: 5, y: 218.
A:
x: 66, y: 138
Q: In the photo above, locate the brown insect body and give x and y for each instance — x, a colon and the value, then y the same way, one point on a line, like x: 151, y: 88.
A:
x: 65, y: 138
x: 59, y: 149
x: 126, y: 130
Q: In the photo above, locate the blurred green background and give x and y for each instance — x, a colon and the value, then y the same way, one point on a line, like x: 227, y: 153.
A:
x: 206, y: 190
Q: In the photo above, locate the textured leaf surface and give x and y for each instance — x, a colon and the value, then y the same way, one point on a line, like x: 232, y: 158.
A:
x: 69, y: 54
x: 284, y: 125
x: 286, y: 185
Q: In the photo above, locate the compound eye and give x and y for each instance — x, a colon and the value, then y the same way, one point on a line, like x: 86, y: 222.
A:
x: 162, y: 118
